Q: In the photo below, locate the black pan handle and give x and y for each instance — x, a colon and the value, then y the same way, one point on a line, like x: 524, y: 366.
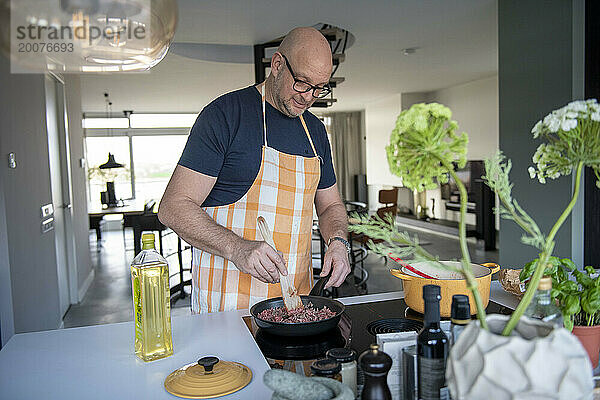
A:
x: 317, y: 290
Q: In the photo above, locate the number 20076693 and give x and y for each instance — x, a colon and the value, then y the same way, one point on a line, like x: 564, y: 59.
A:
x: 45, y: 47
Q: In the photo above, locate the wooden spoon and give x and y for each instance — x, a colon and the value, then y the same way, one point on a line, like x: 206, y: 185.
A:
x: 290, y: 296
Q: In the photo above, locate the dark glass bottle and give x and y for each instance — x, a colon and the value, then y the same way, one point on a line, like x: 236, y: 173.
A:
x: 376, y: 365
x: 432, y: 349
x: 460, y: 316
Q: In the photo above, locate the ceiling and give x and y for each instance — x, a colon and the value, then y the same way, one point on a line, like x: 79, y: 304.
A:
x: 457, y: 43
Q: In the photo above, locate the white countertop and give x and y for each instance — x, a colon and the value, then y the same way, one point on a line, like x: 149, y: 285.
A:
x: 97, y: 362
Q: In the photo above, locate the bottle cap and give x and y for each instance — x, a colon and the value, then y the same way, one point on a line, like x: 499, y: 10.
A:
x: 545, y: 283
x: 341, y: 354
x: 147, y: 237
x: 432, y: 292
x: 375, y: 360
x: 325, y: 367
x: 461, y: 310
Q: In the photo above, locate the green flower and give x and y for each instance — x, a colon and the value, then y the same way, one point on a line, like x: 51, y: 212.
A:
x: 425, y: 136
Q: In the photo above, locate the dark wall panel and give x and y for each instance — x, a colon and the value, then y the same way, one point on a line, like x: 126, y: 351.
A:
x: 535, y: 76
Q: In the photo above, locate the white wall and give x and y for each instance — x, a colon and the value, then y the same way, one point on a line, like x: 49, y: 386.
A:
x: 474, y: 106
x: 408, y: 99
x: 81, y: 225
x: 380, y: 119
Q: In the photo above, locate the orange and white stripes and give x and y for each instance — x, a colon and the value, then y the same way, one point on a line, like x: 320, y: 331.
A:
x: 282, y: 193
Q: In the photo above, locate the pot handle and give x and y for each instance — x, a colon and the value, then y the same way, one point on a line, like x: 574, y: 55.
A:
x: 399, y: 274
x: 492, y: 266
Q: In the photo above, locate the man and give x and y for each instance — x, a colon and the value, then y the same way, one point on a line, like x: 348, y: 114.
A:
x: 256, y: 152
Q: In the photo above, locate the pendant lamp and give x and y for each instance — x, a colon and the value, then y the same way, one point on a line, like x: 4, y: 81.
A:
x: 111, y: 163
x: 86, y: 35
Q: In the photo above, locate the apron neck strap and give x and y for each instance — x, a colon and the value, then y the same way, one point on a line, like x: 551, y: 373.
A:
x: 264, y: 114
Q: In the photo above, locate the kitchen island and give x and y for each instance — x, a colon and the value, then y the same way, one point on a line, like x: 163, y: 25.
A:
x: 97, y: 362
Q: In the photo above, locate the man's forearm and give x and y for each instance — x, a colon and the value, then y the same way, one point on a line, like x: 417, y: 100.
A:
x: 333, y: 221
x: 196, y: 227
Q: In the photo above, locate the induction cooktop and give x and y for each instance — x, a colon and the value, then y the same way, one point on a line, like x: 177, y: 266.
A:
x: 357, y: 330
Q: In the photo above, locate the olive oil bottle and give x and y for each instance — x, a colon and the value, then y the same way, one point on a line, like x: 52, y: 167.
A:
x: 151, y: 302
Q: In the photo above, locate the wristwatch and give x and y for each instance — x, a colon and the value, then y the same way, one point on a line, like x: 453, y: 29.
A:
x: 341, y: 239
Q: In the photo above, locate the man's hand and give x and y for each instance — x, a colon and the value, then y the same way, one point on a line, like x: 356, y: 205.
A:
x: 259, y: 260
x: 336, y: 257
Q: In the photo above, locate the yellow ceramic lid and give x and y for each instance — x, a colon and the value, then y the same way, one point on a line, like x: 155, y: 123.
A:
x: 208, y: 378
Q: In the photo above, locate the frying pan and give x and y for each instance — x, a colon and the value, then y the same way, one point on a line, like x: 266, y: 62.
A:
x: 300, y: 328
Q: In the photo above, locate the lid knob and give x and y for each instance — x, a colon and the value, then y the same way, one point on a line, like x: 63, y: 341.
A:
x: 208, y: 363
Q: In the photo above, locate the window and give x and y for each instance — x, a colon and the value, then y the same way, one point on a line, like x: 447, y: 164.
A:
x: 155, y: 158
x: 148, y: 145
x: 97, y: 149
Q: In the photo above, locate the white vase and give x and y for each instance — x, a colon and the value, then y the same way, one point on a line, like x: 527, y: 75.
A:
x: 535, y: 362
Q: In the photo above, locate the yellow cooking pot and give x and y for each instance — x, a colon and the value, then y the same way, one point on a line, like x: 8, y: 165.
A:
x: 413, y: 285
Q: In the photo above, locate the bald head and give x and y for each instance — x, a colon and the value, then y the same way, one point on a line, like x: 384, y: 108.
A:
x: 308, y: 60
x: 307, y: 45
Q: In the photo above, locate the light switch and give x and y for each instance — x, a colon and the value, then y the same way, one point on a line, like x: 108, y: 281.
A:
x: 12, y: 160
x: 47, y: 210
x: 47, y: 225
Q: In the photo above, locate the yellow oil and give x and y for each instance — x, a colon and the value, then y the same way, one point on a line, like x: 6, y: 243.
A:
x: 151, y: 303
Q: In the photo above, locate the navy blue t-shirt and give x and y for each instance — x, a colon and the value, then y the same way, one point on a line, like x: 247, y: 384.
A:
x: 227, y: 137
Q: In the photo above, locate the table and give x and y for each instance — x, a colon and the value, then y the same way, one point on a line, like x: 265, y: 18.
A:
x: 137, y: 218
x: 96, y: 213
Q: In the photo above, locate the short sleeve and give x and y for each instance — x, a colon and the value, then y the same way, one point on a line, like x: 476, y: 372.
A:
x: 207, y: 143
x: 327, y: 173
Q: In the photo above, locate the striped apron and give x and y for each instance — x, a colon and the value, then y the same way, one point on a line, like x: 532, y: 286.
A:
x: 283, y: 193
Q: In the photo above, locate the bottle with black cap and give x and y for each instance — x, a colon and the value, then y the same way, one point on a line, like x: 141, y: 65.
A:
x: 376, y: 365
x: 460, y: 316
x: 432, y: 349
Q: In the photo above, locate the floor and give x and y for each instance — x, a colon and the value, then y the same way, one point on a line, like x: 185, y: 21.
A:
x: 109, y: 299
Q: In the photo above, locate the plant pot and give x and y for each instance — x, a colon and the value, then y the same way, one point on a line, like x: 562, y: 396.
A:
x: 589, y: 336
x: 536, y: 362
x: 450, y: 283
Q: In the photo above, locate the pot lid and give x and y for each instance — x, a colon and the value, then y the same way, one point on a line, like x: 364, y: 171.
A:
x: 208, y: 378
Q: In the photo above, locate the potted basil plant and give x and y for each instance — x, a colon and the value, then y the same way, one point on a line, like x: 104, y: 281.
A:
x: 577, y: 294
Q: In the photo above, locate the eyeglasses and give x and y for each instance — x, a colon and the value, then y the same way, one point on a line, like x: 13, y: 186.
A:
x: 301, y: 86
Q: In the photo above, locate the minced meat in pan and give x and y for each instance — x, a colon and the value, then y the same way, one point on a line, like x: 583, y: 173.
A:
x: 306, y: 314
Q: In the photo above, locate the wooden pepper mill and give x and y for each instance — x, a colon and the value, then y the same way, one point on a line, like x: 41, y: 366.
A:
x: 375, y: 364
